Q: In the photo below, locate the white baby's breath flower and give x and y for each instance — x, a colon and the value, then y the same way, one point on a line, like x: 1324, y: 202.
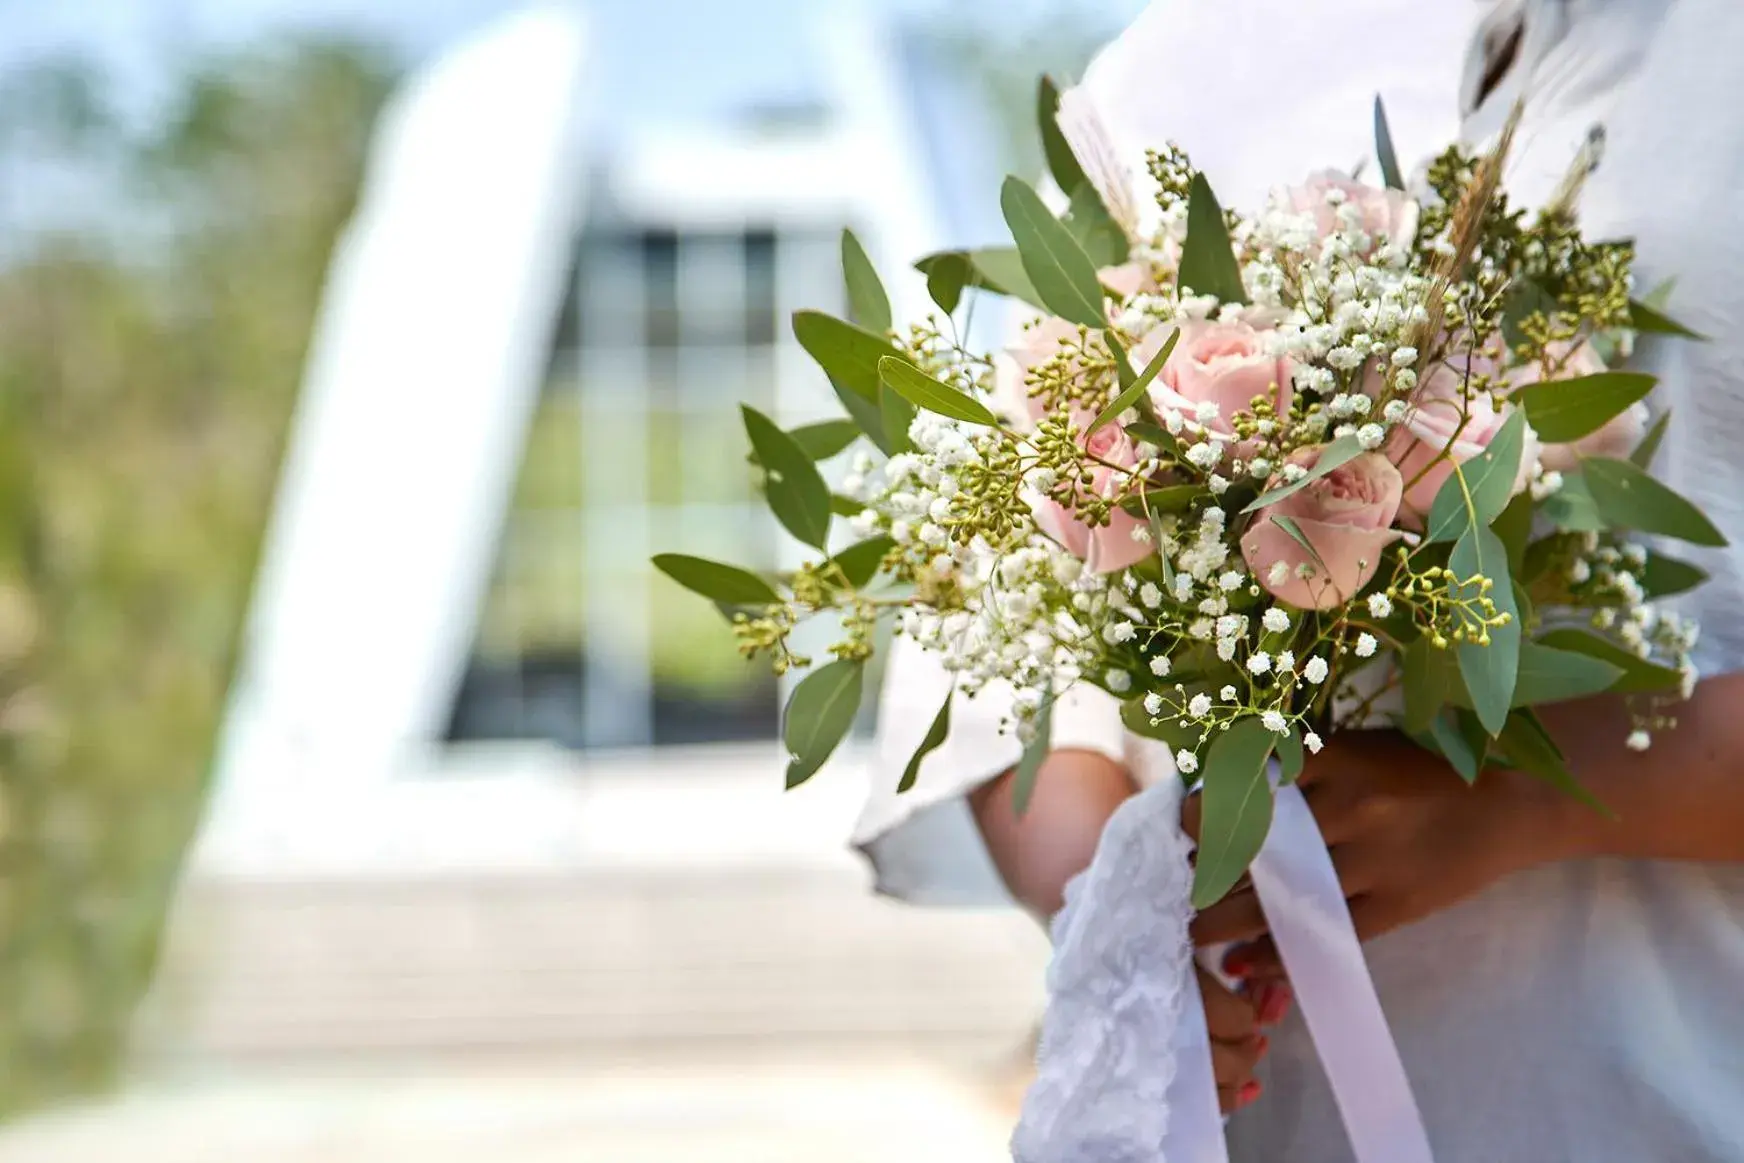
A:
x: 1118, y: 681
x: 1226, y: 649
x: 1160, y: 666
x: 1278, y: 574
x: 1370, y: 436
x: 1259, y: 662
x: 1380, y: 605
x: 1186, y: 762
x: 1284, y: 663
x: 1217, y: 484
x: 1205, y: 455
x: 1292, y: 473
x: 1206, y: 412
x: 1312, y: 742
x: 1276, y: 620
x: 1117, y: 632
x: 1366, y: 645
x: 1638, y: 741
x: 1579, y: 571
x: 1150, y: 595
x: 1199, y: 706
x: 1274, y: 722
x: 1153, y: 704
x: 1230, y: 581
x: 1259, y: 467
x: 1227, y: 694
x: 1395, y: 411
x: 1404, y: 356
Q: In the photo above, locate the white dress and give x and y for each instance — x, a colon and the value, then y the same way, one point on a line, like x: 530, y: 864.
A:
x: 1590, y: 1012
x: 1224, y: 80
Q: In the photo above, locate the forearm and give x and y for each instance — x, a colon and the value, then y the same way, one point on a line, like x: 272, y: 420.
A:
x: 1075, y: 794
x: 1683, y: 799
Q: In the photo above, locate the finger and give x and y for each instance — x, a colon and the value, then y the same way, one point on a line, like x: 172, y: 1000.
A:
x: 1229, y: 1016
x: 1191, y: 807
x: 1237, y: 917
x: 1232, y: 1098
x: 1234, y: 1062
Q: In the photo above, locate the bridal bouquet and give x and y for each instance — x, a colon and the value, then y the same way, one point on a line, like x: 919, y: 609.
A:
x: 1360, y: 453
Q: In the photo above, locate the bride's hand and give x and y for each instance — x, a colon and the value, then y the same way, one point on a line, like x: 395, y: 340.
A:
x: 1408, y: 838
x: 1237, y: 1043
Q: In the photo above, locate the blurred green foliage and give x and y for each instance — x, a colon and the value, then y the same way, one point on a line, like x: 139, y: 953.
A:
x: 149, y: 356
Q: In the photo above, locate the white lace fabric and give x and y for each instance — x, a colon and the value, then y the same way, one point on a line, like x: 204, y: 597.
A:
x: 1116, y: 988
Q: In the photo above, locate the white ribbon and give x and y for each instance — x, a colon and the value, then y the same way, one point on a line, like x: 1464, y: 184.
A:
x: 1310, y: 923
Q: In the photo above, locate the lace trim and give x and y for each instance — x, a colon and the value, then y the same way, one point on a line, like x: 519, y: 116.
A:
x: 1116, y: 987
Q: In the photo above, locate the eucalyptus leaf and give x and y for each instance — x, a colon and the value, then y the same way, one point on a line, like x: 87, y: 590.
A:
x: 1530, y: 748
x: 1514, y: 528
x: 1639, y: 675
x: 1572, y: 508
x: 859, y: 563
x: 1664, y: 576
x: 1629, y: 498
x: 1168, y: 499
x: 1431, y: 681
x: 820, y: 713
x: 1291, y: 758
x: 895, y: 416
x: 1490, y: 671
x: 1549, y: 675
x: 930, y: 743
x: 947, y: 274
x: 1652, y: 322
x: 1000, y: 269
x: 866, y: 415
x: 1094, y: 227
x: 1384, y: 153
x: 1453, y: 745
x: 1063, y: 164
x: 923, y: 391
x: 1134, y: 391
x: 1563, y: 411
x: 795, y: 489
x: 1056, y: 264
x: 1236, y: 811
x: 848, y: 354
x: 1340, y: 452
x: 1030, y: 766
x: 1644, y: 452
x: 1208, y: 265
x: 1477, y: 491
x: 866, y: 294
x: 727, y: 584
x: 822, y: 440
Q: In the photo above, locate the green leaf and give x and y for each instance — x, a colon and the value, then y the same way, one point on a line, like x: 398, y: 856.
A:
x: 822, y: 440
x: 1237, y: 809
x: 1089, y: 221
x: 859, y: 563
x: 1057, y: 266
x: 866, y: 295
x: 845, y: 506
x: 1294, y: 531
x: 848, y: 354
x: 1454, y: 745
x: 1000, y: 269
x: 727, y: 584
x: 1135, y: 390
x: 1644, y: 452
x: 1168, y: 499
x: 1563, y: 411
x: 1645, y: 319
x: 895, y: 415
x: 1208, y: 265
x: 1062, y: 162
x: 1384, y: 149
x: 1572, y: 508
x: 1549, y: 675
x: 867, y: 416
x: 820, y: 713
x: 1628, y: 498
x: 1639, y: 675
x: 1431, y: 681
x: 923, y: 391
x: 1490, y: 672
x: 1524, y: 298
x: 1477, y: 491
x: 947, y: 273
x: 1341, y: 451
x: 1514, y: 529
x: 935, y: 736
x: 796, y: 491
x: 1291, y: 759
x: 1665, y: 576
x: 1030, y: 766
x: 1531, y: 749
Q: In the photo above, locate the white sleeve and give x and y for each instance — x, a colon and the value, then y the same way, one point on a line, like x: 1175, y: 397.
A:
x: 981, y: 743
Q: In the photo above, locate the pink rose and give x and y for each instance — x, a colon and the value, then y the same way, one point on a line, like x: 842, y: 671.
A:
x: 1391, y: 213
x: 1225, y: 364
x: 1346, y: 515
x: 1618, y: 436
x: 1109, y: 547
x: 1128, y: 279
x: 1434, y: 424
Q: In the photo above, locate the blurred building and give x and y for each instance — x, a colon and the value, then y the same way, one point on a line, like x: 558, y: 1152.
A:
x: 489, y: 782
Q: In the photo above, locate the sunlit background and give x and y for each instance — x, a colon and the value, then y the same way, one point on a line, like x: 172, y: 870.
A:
x: 364, y: 794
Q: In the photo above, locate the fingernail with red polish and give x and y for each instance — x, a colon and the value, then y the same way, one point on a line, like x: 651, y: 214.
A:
x: 1247, y: 1094
x: 1274, y: 1004
x: 1237, y: 963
